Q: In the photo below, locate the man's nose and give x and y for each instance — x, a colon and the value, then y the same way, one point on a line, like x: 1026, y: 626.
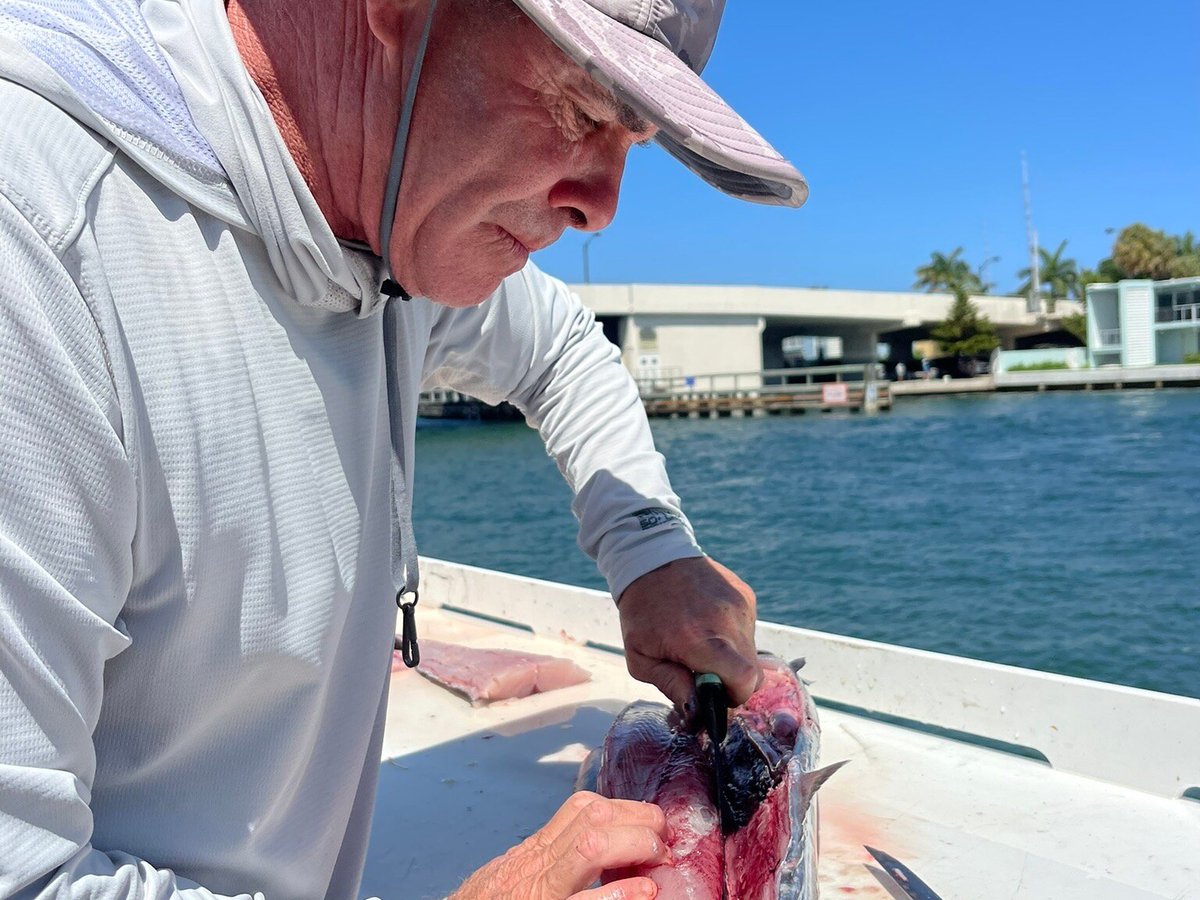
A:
x: 590, y: 193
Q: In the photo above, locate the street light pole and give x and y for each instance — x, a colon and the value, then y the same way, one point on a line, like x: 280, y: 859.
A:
x: 587, y: 275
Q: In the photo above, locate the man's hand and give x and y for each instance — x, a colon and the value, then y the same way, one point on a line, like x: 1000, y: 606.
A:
x: 588, y: 835
x: 691, y: 615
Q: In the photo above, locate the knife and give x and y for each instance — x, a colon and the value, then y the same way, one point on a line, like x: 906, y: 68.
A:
x: 713, y: 706
x: 906, y: 879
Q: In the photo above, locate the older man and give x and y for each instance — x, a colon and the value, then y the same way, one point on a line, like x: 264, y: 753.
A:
x: 213, y: 220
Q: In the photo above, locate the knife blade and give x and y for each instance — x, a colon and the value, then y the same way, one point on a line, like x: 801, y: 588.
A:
x: 713, y: 705
x: 906, y: 879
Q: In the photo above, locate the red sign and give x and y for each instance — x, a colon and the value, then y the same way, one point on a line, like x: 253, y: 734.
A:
x: 837, y: 392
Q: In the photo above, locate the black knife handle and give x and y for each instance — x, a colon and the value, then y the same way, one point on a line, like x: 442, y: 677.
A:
x: 713, y: 701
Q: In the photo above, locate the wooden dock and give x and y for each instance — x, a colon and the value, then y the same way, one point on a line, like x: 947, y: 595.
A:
x: 451, y: 405
x: 920, y: 387
x: 854, y: 388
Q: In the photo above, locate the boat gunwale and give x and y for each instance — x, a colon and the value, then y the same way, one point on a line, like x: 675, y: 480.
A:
x: 1140, y: 739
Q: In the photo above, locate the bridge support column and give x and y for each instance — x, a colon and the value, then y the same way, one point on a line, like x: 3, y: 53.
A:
x: 859, y: 346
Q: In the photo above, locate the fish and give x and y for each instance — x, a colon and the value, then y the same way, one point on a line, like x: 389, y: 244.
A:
x: 764, y: 847
x: 484, y: 675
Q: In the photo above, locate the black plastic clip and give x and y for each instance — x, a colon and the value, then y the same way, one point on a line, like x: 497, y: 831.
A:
x: 392, y: 288
x: 410, y: 650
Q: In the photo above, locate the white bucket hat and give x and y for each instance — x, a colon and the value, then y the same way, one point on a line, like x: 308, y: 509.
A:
x: 649, y: 53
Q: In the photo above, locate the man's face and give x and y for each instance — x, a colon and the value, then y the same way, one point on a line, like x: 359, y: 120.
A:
x: 511, y: 144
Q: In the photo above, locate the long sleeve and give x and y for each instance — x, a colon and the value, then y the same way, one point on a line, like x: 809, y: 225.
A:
x: 534, y: 344
x: 68, y: 513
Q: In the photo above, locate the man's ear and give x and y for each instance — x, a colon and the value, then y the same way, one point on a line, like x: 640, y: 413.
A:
x: 391, y: 20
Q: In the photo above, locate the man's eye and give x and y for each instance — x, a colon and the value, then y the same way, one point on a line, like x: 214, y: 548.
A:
x: 583, y: 120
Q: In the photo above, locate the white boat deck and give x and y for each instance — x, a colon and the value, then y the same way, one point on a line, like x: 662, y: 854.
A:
x: 1117, y: 816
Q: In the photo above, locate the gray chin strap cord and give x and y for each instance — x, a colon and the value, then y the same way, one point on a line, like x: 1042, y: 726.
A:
x: 391, y: 190
x: 406, y: 574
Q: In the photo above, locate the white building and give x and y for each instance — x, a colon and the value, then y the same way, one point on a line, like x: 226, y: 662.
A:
x: 1143, y: 322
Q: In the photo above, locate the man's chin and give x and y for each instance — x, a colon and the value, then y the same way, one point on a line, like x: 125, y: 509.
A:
x: 463, y: 295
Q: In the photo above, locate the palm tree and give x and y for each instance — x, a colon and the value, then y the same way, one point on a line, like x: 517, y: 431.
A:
x: 947, y: 274
x: 1106, y: 271
x: 1142, y: 252
x: 1059, y: 276
x: 1186, y: 263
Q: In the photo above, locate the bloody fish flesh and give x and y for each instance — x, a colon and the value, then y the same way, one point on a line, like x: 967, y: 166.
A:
x: 767, y: 849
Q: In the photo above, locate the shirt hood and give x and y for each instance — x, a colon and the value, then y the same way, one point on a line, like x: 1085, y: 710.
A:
x: 163, y: 80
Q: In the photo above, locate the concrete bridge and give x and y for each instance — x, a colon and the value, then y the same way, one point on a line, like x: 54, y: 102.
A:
x: 704, y: 329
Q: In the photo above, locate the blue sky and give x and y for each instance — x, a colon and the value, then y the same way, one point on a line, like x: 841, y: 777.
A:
x: 909, y: 122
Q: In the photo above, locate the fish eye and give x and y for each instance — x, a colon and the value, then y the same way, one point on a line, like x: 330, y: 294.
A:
x: 784, y: 728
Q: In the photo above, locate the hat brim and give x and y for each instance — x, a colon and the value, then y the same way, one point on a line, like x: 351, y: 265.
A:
x: 695, y: 125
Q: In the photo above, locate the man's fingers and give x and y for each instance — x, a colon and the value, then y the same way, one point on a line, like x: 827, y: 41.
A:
x: 606, y: 834
x: 676, y: 681
x: 579, y: 857
x: 739, y: 672
x: 588, y: 835
x: 566, y: 815
x: 606, y: 812
x: 625, y: 889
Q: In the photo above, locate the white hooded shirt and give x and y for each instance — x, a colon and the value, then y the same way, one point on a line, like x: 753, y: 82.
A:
x: 196, y: 604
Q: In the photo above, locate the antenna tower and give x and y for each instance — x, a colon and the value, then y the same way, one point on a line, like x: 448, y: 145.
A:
x: 1034, y: 303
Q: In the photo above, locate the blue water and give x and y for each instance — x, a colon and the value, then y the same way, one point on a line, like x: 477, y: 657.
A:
x: 1057, y: 531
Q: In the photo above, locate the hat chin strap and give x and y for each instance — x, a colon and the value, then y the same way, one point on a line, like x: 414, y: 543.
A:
x: 391, y: 192
x: 405, y: 562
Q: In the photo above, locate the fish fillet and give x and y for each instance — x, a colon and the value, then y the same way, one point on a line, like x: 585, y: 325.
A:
x: 486, y: 675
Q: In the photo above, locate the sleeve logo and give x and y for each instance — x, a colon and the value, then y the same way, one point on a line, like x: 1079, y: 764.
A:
x: 654, y: 516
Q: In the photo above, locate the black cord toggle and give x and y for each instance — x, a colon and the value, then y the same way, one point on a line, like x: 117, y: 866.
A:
x: 410, y: 650
x: 392, y: 288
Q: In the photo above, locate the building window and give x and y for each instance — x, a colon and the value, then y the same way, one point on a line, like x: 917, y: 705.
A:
x: 1163, y: 312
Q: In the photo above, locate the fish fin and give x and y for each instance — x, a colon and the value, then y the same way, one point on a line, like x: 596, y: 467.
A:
x: 798, y: 663
x: 810, y: 782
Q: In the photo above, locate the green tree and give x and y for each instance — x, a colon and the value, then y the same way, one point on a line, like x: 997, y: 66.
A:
x: 965, y: 331
x: 1076, y: 323
x: 948, y: 274
x: 1142, y: 252
x: 1106, y: 272
x: 1186, y: 263
x: 1185, y: 266
x: 1060, y: 277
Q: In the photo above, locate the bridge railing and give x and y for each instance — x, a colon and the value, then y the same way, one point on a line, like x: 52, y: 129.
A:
x: 766, y: 381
